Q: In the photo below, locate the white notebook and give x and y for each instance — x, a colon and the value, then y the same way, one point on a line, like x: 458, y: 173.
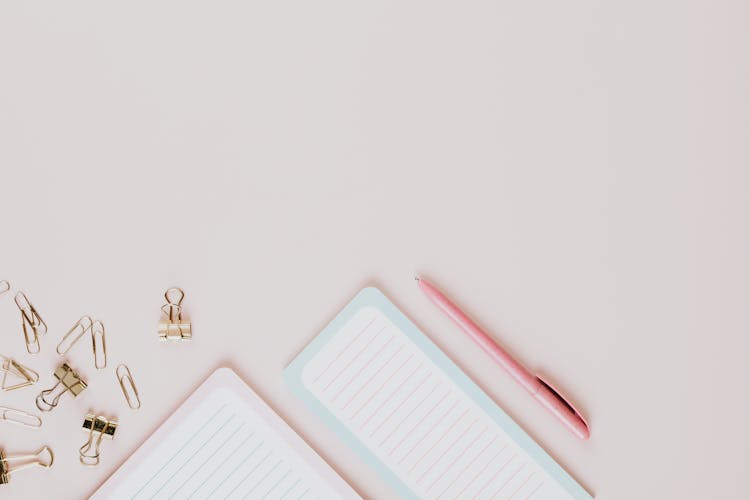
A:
x: 225, y: 442
x: 414, y: 416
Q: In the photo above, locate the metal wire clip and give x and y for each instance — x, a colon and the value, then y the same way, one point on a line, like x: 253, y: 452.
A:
x: 19, y: 417
x: 70, y: 381
x: 98, y: 428
x: 127, y: 384
x: 6, y: 470
x: 173, y: 327
x: 32, y: 323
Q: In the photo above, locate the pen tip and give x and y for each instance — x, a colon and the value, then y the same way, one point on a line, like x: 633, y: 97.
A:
x: 416, y: 277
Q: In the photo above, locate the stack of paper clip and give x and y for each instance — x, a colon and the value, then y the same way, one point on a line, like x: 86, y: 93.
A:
x: 69, y: 381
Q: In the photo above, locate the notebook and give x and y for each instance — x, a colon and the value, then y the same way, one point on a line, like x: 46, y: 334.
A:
x: 224, y: 442
x: 413, y: 415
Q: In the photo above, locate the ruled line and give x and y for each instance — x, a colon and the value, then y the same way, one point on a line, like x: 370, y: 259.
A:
x: 211, y: 474
x: 353, y: 359
x: 223, y: 481
x: 476, y: 457
x: 382, y: 403
x: 534, y: 490
x: 457, y: 458
x: 212, y: 455
x: 377, y: 372
x: 381, y: 387
x: 445, y: 434
x: 522, y: 485
x: 290, y: 489
x: 424, y: 417
x: 335, y: 358
x: 398, y: 407
x: 361, y: 369
x: 408, y: 415
x: 193, y: 455
x: 205, y: 424
x: 508, y: 480
x: 262, y: 461
x: 265, y: 476
x: 494, y: 476
x: 429, y: 450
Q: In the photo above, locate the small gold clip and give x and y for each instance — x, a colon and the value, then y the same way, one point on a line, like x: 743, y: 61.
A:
x: 19, y: 417
x: 15, y: 369
x: 36, y: 460
x: 4, y: 286
x: 131, y: 393
x: 77, y: 330
x: 100, y: 353
x: 173, y: 327
x: 98, y: 428
x: 32, y: 323
x: 70, y: 381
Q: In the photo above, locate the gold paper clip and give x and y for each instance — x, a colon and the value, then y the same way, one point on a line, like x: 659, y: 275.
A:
x: 99, y: 348
x: 15, y: 369
x: 77, y: 331
x: 173, y: 327
x: 19, y: 417
x: 4, y: 286
x: 32, y: 323
x: 98, y: 428
x: 6, y: 470
x: 70, y: 381
x: 131, y: 393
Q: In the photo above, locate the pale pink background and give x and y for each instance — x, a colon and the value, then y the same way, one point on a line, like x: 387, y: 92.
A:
x: 575, y: 173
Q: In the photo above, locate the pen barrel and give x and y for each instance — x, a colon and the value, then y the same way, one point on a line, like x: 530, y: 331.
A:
x: 488, y: 344
x: 562, y: 410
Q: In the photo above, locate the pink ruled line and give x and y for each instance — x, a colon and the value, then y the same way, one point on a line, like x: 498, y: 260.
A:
x: 458, y: 457
x: 377, y: 391
x: 377, y: 372
x: 362, y: 368
x: 429, y: 450
x: 507, y: 481
x: 481, y: 471
x: 354, y: 358
x: 411, y: 412
x: 424, y: 417
x: 345, y: 349
x: 494, y: 476
x: 476, y: 457
x: 390, y: 396
x: 522, y: 485
x: 446, y: 450
x: 534, y: 490
x: 398, y: 407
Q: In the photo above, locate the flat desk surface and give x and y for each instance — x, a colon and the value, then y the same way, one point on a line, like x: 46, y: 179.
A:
x: 575, y: 175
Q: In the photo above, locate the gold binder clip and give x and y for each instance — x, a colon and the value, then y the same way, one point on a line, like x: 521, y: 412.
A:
x: 15, y: 369
x: 19, y: 417
x: 173, y: 327
x: 70, y: 381
x: 77, y: 331
x: 32, y: 460
x: 4, y: 286
x: 98, y: 428
x: 130, y: 391
x: 32, y: 323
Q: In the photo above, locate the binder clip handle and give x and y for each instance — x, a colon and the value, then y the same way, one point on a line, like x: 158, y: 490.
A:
x: 43, y: 458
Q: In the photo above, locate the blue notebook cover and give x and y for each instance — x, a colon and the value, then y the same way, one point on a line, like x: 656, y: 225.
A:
x: 362, y: 334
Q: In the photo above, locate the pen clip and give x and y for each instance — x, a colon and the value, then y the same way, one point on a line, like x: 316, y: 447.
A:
x: 562, y: 399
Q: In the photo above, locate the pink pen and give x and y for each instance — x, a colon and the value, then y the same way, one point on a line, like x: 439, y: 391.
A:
x: 538, y: 388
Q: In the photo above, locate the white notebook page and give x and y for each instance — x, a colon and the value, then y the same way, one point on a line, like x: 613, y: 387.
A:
x: 225, y: 447
x: 389, y: 394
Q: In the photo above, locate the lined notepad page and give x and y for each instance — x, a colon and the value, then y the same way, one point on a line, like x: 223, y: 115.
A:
x: 415, y: 418
x: 223, y: 449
